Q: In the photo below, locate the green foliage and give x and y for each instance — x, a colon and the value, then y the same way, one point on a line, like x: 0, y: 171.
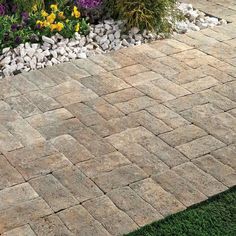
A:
x: 155, y: 15
x: 215, y: 217
x: 21, y: 28
x: 8, y: 37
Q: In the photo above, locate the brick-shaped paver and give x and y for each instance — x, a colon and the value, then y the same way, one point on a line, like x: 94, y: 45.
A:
x: 53, y: 192
x: 123, y: 95
x: 179, y: 187
x: 82, y: 94
x: 114, y: 220
x: 182, y: 135
x: 171, y: 87
x: 16, y: 194
x: 164, y: 202
x: 129, y: 136
x: 41, y: 80
x: 142, y: 78
x: 220, y: 171
x: 49, y: 117
x: 59, y: 128
x: 25, y: 133
x: 42, y: 166
x: 129, y: 71
x: 23, y: 213
x: 105, y: 109
x: 201, y: 84
x: 73, y: 71
x: 218, y: 100
x: 226, y: 155
x: 228, y: 90
x: 105, y: 83
x: 150, y: 122
x: 72, y: 149
x: 92, y: 141
x: 199, y: 179
x: 142, y: 51
x: 119, y: 177
x: 147, y: 161
x: 200, y: 146
x: 103, y: 164
x: 186, y: 102
x: 85, y: 114
x: 169, y: 155
x: 78, y: 220
x: 22, y: 84
x: 128, y: 200
x: 22, y: 230
x: 113, y: 126
x: 165, y: 114
x: 104, y: 145
x: 8, y: 142
x: 136, y: 104
x: 50, y: 225
x: 77, y: 183
x: 155, y: 92
x: 43, y: 101
x: 23, y: 106
x: 9, y: 175
x: 89, y: 66
x: 112, y: 61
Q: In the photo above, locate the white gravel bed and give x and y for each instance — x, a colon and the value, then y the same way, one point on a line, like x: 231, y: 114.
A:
x: 103, y: 37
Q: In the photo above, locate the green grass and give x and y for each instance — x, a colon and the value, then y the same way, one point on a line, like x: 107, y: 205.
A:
x: 216, y: 216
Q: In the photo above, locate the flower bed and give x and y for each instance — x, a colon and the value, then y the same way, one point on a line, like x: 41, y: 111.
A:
x: 36, y: 34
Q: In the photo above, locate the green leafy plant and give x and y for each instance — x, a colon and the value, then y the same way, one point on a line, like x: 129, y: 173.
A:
x: 29, y: 27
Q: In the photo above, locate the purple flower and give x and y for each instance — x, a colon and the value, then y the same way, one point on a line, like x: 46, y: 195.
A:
x: 25, y: 17
x: 17, y: 40
x: 14, y: 27
x: 89, y: 3
x: 2, y: 10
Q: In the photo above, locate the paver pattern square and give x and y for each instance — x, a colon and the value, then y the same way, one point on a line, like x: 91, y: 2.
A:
x: 102, y: 146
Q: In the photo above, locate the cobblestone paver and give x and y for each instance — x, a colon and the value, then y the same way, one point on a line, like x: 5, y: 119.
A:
x: 102, y: 146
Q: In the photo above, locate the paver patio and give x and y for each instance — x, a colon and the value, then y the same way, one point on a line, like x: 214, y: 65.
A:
x: 105, y: 145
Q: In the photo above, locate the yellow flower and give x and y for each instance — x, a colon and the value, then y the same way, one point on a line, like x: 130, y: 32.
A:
x: 44, y: 13
x: 61, y: 15
x: 75, y: 12
x: 34, y: 8
x: 54, y: 7
x: 53, y: 27
x: 46, y: 24
x: 60, y: 26
x: 39, y: 23
x: 77, y: 27
x: 51, y: 18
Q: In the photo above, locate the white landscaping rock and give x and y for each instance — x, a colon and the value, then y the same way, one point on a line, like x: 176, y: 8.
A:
x: 47, y: 40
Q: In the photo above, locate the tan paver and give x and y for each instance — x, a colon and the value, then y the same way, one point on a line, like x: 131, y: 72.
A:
x: 78, y: 220
x: 114, y: 220
x: 104, y: 145
x: 164, y: 202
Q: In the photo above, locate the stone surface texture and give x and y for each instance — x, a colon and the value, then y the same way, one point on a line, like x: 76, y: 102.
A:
x: 105, y: 145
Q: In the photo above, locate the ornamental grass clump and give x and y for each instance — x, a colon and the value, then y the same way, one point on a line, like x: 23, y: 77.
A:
x: 155, y: 15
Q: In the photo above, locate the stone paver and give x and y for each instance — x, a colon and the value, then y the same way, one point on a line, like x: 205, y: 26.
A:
x: 104, y: 145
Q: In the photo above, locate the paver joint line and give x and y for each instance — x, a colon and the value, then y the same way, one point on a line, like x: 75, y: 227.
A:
x: 122, y: 144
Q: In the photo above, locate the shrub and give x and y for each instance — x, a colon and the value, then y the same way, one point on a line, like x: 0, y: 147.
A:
x: 148, y: 14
